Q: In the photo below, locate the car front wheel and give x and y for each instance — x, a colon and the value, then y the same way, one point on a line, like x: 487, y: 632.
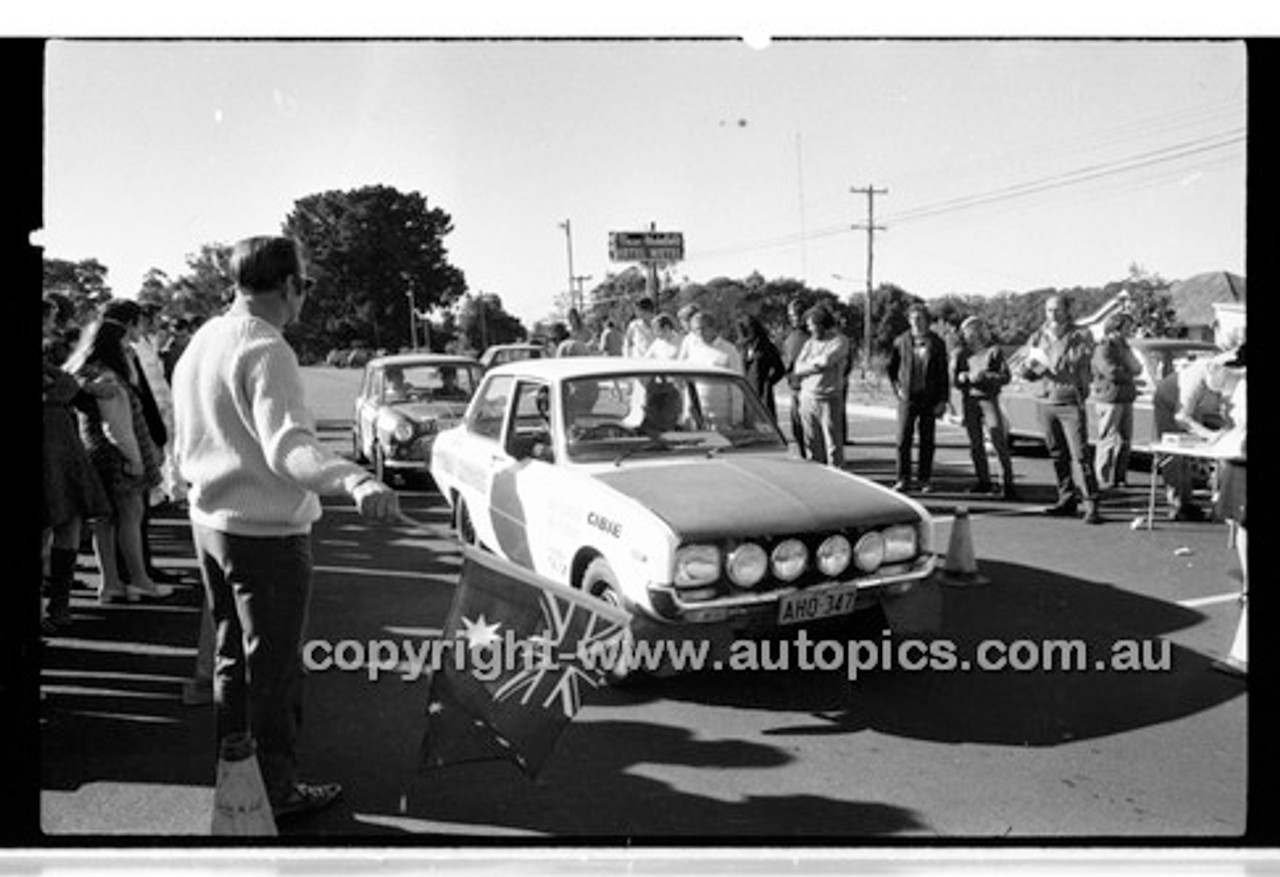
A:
x: 600, y: 581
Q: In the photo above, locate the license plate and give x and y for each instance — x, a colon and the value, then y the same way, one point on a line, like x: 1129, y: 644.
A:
x: 805, y: 606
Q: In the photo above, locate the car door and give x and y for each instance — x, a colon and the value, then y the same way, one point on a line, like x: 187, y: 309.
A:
x: 478, y: 456
x: 521, y: 483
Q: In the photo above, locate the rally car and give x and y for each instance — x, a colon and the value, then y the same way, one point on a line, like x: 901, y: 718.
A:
x: 668, y: 489
x: 404, y: 400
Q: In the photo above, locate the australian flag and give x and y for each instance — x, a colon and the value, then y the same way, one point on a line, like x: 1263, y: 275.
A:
x: 516, y: 672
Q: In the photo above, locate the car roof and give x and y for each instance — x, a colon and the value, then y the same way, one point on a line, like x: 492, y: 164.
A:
x: 422, y: 359
x: 560, y: 368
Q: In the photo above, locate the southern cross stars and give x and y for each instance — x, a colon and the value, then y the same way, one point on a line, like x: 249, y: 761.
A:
x: 481, y: 632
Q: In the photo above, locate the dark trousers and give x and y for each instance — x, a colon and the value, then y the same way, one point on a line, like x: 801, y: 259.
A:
x: 977, y: 413
x: 257, y: 589
x: 1066, y: 434
x: 914, y: 415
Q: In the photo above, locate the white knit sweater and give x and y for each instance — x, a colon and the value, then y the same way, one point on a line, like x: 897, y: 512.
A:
x: 244, y: 439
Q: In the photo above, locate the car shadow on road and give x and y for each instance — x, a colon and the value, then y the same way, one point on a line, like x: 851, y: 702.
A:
x: 594, y: 788
x: 1071, y: 638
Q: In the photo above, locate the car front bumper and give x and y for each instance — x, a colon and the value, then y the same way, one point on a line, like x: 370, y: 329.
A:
x: 760, y: 610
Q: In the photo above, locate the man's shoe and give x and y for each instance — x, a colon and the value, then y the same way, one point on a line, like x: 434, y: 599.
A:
x: 902, y: 486
x: 306, y: 798
x: 1187, y: 512
x: 61, y: 617
x: 982, y: 487
x: 1010, y: 493
x: 1062, y: 509
x: 1091, y: 515
x: 926, y: 487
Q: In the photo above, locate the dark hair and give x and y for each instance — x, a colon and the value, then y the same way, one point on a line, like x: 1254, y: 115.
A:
x: 263, y: 264
x: 102, y: 343
x: 751, y: 329
x: 122, y: 310
x: 645, y: 304
x: 918, y: 308
x: 664, y: 321
x: 821, y: 315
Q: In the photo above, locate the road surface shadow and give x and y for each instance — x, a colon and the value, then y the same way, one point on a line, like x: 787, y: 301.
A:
x: 593, y: 788
x: 1083, y: 628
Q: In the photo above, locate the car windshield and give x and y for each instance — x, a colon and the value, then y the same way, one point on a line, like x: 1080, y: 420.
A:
x: 615, y: 417
x: 429, y: 382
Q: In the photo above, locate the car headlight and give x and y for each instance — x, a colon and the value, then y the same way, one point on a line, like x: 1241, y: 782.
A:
x: 834, y: 555
x: 696, y: 565
x: 747, y: 565
x: 403, y: 431
x: 789, y: 559
x: 869, y: 552
x: 900, y: 543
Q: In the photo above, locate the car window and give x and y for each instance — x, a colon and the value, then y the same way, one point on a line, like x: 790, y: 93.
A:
x: 530, y: 431
x: 647, y: 414
x: 489, y: 409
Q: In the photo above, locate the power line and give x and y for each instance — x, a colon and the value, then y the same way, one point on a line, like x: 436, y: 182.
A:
x: 1056, y: 181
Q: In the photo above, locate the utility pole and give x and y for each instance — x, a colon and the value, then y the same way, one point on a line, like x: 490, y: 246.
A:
x: 579, y: 280
x: 568, y: 236
x: 871, y: 228
x: 413, y: 326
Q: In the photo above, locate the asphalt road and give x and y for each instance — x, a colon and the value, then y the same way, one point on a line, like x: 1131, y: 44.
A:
x: 788, y: 756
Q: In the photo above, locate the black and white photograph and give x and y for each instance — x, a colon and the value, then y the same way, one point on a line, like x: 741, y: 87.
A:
x: 634, y: 443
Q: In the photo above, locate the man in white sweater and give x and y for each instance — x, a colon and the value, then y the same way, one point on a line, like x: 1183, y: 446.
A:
x: 246, y: 445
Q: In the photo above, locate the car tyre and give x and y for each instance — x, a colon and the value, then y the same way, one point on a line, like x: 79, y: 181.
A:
x: 600, y: 581
x: 463, y: 527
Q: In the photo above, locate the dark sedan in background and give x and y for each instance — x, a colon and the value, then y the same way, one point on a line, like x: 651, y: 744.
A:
x: 404, y: 401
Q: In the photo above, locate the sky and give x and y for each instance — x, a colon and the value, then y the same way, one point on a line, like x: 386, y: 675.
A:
x: 1006, y: 164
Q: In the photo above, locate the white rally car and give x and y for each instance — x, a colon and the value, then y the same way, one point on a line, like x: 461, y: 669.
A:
x: 667, y: 488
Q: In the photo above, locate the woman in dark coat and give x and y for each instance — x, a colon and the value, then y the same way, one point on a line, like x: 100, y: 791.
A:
x: 72, y: 491
x: 761, y: 361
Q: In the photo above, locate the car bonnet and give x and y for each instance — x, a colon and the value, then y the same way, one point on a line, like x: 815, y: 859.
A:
x: 754, y: 496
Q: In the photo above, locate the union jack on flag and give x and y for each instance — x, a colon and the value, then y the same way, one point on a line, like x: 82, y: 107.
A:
x: 520, y: 680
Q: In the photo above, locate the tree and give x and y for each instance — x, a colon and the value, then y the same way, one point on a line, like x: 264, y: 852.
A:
x: 84, y: 283
x: 483, y: 322
x: 374, y: 252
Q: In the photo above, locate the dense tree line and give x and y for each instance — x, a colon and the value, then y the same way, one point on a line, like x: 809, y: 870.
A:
x: 381, y: 271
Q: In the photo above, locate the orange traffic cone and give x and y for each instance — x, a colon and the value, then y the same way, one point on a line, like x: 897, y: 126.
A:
x: 961, y: 568
x: 1237, y: 661
x: 240, y: 805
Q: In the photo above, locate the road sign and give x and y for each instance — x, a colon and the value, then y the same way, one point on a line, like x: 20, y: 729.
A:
x: 646, y: 246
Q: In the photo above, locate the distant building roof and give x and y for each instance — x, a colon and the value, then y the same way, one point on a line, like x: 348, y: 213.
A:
x: 1193, y: 298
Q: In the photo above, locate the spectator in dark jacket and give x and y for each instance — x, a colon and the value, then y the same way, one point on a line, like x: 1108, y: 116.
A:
x: 918, y: 372
x: 1115, y: 372
x: 979, y: 371
x: 761, y: 361
x: 1060, y: 356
